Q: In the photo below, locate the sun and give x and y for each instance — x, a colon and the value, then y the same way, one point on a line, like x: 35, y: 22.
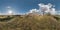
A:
x: 10, y: 12
x: 9, y: 9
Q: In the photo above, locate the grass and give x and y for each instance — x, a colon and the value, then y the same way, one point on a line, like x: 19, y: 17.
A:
x: 31, y: 23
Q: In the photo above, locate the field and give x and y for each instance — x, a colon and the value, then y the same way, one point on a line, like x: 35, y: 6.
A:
x: 27, y: 22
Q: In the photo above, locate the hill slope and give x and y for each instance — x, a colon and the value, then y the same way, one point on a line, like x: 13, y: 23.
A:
x: 31, y: 23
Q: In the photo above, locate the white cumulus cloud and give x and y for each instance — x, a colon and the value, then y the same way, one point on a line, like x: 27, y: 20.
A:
x: 44, y: 8
x: 33, y: 11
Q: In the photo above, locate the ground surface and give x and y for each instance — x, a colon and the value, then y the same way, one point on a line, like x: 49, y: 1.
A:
x: 29, y: 22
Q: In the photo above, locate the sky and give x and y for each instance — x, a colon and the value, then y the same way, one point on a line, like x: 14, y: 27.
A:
x: 23, y: 6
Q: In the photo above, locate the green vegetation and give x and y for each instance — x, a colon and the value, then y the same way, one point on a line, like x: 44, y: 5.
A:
x: 30, y: 23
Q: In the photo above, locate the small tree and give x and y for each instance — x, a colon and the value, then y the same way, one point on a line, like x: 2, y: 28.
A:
x: 43, y: 10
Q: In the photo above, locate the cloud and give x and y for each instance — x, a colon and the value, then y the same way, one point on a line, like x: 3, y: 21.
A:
x: 44, y: 8
x: 47, y: 8
x: 53, y: 11
x: 33, y: 11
